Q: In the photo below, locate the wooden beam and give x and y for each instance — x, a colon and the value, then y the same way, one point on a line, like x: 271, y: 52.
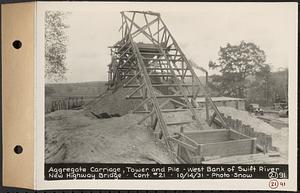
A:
x: 147, y: 24
x: 161, y: 75
x: 183, y: 144
x: 135, y: 91
x: 141, y: 104
x: 155, y: 103
x: 169, y: 110
x: 149, y: 68
x: 158, y: 30
x: 197, y: 78
x: 212, y: 118
x: 179, y: 123
x: 161, y: 85
x: 179, y: 103
x: 131, y: 79
x: 140, y: 30
x: 162, y: 96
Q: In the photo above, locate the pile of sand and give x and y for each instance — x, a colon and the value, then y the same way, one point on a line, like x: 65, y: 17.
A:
x: 113, y: 102
x: 71, y: 136
x: 248, y: 119
x: 279, y: 136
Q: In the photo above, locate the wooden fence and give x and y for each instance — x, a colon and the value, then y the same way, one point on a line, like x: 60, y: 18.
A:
x: 65, y: 103
x: 263, y: 141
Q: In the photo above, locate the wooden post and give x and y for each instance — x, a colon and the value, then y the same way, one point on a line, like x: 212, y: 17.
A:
x: 235, y: 124
x: 52, y: 106
x: 199, y: 153
x: 243, y: 129
x: 239, y: 125
x: 251, y: 132
x: 206, y: 99
x: 247, y: 130
x: 229, y: 122
x: 58, y: 105
x: 269, y: 142
x: 155, y: 123
x: 181, y: 129
x: 254, y: 145
x: 264, y: 140
x: 151, y: 120
x: 212, y: 118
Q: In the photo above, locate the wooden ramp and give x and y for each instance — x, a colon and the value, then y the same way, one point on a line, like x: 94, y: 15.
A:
x: 162, y: 77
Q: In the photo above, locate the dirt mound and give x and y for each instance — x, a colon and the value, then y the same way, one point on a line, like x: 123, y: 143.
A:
x: 73, y: 137
x: 113, y: 102
x: 279, y: 136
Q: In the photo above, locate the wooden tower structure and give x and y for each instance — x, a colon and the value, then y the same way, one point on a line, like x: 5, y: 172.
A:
x: 149, y: 61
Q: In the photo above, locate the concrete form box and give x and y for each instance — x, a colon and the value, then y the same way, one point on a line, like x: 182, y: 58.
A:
x: 193, y: 147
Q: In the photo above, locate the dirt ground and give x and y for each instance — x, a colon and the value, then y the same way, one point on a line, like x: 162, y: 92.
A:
x: 72, y: 136
x: 77, y: 136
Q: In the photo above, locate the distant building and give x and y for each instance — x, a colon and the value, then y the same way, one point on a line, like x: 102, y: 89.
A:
x: 237, y: 103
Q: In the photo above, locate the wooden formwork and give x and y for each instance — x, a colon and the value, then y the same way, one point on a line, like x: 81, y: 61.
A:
x: 194, y: 146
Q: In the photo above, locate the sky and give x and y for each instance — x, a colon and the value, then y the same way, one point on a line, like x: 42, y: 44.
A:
x: 199, y: 28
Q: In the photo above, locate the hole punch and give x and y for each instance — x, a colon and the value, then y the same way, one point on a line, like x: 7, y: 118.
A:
x: 18, y: 149
x: 17, y: 44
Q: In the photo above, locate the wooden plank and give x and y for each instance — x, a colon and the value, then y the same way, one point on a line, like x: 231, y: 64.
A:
x: 205, y: 138
x: 164, y: 110
x: 212, y: 118
x: 148, y: 68
x: 254, y: 145
x: 269, y: 142
x: 135, y: 91
x: 132, y: 78
x: 160, y: 75
x: 183, y: 144
x: 161, y: 85
x: 155, y: 103
x: 158, y: 30
x: 218, y: 123
x: 173, y: 72
x: 195, y: 75
x: 140, y: 105
x: 178, y: 123
x: 207, y: 158
x: 188, y: 140
x: 161, y: 59
x: 140, y: 29
x: 188, y: 133
x: 160, y: 96
x: 228, y: 148
x: 185, y: 154
x: 242, y: 134
x: 237, y: 135
x: 179, y: 103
